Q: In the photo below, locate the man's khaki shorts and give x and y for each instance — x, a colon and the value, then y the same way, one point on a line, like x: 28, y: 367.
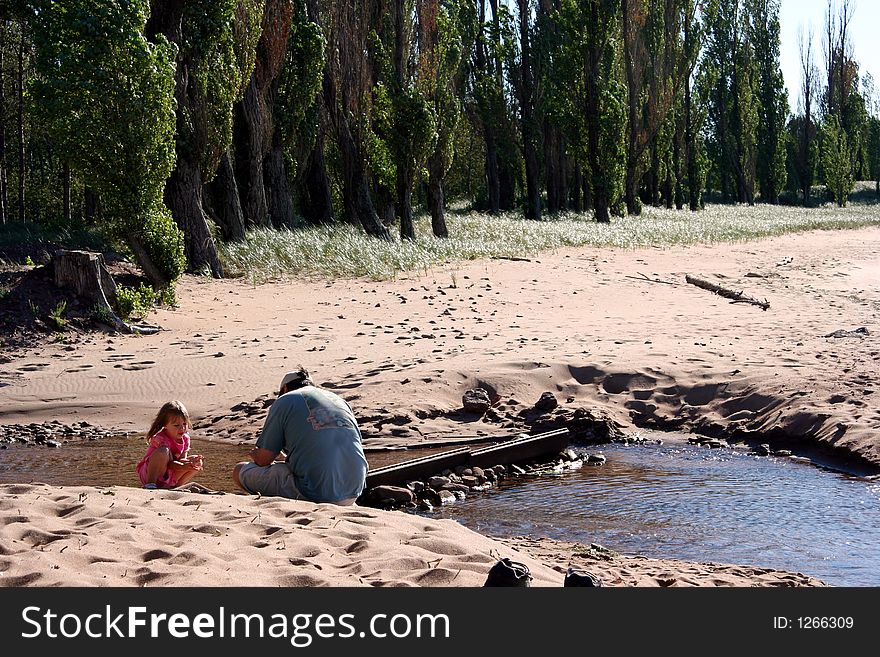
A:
x: 275, y: 480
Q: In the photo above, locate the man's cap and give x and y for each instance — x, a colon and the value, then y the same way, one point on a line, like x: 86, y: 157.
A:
x: 295, y: 376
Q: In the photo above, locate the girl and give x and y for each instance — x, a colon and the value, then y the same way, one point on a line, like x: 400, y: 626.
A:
x: 167, y: 463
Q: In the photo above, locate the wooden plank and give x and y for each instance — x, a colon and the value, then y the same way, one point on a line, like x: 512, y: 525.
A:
x: 521, y: 449
x: 517, y: 450
x: 418, y: 468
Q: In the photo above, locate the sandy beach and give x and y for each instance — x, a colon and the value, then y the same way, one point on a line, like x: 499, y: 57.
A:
x: 619, y: 332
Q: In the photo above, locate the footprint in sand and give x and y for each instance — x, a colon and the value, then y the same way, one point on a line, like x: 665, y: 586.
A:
x: 147, y: 576
x: 33, y: 367
x: 116, y: 357
x: 341, y: 386
x: 299, y: 581
x: 143, y: 365
x: 68, y: 510
x: 152, y: 555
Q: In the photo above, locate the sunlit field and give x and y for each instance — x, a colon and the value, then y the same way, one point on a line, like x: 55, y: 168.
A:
x: 343, y: 251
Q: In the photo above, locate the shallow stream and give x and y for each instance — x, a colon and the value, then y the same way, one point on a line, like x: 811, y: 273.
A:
x: 665, y: 501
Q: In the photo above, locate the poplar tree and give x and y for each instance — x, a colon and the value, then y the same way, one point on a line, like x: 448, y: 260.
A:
x: 772, y: 98
x: 590, y: 55
x: 107, y: 95
x: 728, y: 72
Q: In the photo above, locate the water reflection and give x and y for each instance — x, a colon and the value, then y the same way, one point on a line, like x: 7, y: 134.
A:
x: 111, y: 461
x: 697, y: 504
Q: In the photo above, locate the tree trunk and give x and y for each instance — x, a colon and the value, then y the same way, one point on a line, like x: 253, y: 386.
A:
x: 90, y: 204
x: 65, y: 185
x: 805, y: 152
x: 355, y: 190
x: 631, y: 184
x: 404, y: 204
x: 551, y: 168
x: 676, y: 164
x: 316, y: 200
x: 250, y: 136
x: 183, y: 196
x: 507, y: 191
x: 690, y: 148
x: 384, y: 204
x: 4, y: 195
x: 577, y: 198
x: 436, y: 200
x: 599, y: 196
x: 253, y: 138
x: 280, y: 200
x: 493, y: 179
x: 222, y: 196
x: 358, y: 206
x: 597, y: 184
x: 654, y: 177
x: 21, y: 129
x: 527, y: 118
x: 151, y: 271
x: 493, y: 182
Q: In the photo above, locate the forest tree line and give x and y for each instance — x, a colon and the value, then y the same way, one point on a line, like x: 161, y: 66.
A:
x: 174, y: 124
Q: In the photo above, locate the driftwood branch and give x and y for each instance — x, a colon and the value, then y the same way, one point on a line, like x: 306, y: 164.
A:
x: 735, y: 295
x: 642, y: 277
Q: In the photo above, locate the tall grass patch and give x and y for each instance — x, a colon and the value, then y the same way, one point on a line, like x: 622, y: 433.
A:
x: 344, y: 251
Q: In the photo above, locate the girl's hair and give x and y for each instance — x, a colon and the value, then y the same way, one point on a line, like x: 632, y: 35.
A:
x: 168, y: 411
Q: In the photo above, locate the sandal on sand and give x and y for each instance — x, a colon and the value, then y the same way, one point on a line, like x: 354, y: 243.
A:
x: 150, y: 486
x: 509, y: 573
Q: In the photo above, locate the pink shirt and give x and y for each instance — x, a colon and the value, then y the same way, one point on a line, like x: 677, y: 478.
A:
x: 177, y: 449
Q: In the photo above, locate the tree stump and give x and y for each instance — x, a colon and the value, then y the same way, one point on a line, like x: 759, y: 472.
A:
x: 87, y: 275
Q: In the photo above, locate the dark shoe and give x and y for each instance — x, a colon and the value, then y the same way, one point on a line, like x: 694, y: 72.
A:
x: 580, y: 578
x: 509, y: 573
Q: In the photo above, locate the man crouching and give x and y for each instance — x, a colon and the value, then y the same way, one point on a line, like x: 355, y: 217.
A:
x: 310, y: 447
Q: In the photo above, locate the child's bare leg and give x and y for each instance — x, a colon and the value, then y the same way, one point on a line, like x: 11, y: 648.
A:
x: 158, y: 464
x: 183, y: 472
x: 186, y: 477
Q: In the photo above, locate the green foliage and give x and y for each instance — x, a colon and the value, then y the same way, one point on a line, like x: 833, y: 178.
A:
x: 836, y: 162
x: 134, y: 302
x: 56, y: 316
x: 378, y: 151
x: 441, y: 74
x: 415, y: 127
x: 107, y: 95
x: 207, y: 56
x: 300, y: 77
x: 246, y: 29
x: 164, y: 243
x: 101, y: 314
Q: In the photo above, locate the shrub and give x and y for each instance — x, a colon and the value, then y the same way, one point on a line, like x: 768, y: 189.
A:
x: 134, y: 303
